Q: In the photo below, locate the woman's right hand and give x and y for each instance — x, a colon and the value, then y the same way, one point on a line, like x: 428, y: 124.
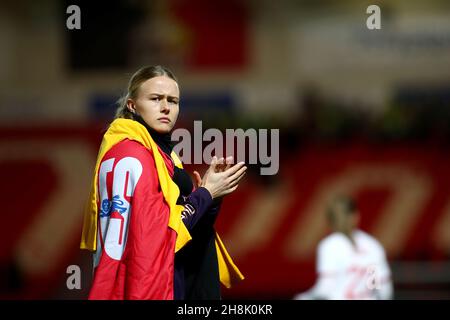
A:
x: 221, y: 178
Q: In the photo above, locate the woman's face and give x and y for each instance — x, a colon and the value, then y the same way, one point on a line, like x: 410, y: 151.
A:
x: 157, y: 103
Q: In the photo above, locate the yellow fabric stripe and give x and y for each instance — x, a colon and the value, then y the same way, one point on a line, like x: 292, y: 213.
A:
x: 228, y: 271
x: 119, y: 130
x: 176, y: 161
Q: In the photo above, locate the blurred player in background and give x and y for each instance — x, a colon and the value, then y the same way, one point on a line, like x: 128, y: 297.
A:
x: 351, y: 264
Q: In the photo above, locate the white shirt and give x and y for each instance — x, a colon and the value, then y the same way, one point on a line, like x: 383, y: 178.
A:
x: 350, y: 271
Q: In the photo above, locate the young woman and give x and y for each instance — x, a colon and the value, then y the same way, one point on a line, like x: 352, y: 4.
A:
x: 151, y: 230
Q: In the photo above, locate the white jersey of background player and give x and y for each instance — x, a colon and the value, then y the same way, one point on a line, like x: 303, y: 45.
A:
x: 351, y: 264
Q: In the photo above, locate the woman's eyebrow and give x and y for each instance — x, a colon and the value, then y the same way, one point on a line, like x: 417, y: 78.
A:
x: 163, y: 95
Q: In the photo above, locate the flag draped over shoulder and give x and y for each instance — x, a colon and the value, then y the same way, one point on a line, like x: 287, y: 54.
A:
x: 119, y: 130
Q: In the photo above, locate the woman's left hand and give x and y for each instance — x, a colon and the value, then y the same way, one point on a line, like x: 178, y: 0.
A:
x: 222, y: 165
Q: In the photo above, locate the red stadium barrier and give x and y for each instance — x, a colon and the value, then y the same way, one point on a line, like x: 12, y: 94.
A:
x: 271, y: 230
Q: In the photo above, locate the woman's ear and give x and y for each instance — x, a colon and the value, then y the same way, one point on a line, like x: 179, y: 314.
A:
x: 131, y: 106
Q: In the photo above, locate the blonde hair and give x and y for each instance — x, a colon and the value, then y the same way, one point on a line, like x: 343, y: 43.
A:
x: 139, y: 77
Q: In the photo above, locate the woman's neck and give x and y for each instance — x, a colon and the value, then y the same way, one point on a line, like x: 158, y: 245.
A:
x: 163, y: 140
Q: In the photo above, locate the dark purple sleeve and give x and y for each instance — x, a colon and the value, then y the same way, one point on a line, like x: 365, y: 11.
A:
x: 196, y: 205
x: 215, y: 207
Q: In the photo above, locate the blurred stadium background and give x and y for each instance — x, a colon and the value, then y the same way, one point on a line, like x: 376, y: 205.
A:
x: 359, y: 111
